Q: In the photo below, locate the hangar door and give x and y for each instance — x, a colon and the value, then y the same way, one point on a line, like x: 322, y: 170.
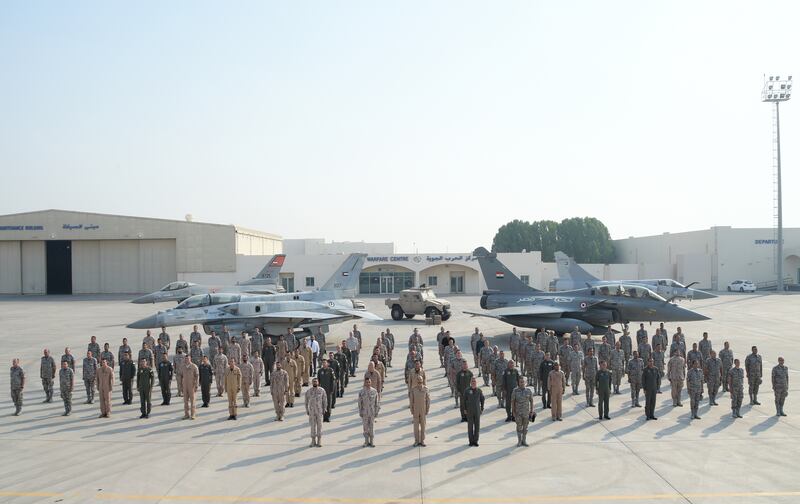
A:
x: 122, y: 266
x: 10, y: 267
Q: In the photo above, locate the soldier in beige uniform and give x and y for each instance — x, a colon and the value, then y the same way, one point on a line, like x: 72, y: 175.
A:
x: 233, y: 383
x: 220, y: 367
x: 105, y: 384
x: 279, y: 388
x: 316, y: 399
x: 301, y: 377
x: 291, y: 369
x: 258, y: 372
x: 308, y: 357
x: 191, y: 380
x: 556, y: 385
x: 247, y: 379
x: 178, y: 362
x: 235, y: 352
x: 676, y: 374
x: 420, y: 405
x: 368, y: 408
x: 374, y: 377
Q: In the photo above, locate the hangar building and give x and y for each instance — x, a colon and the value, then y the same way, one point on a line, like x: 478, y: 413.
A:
x: 64, y: 252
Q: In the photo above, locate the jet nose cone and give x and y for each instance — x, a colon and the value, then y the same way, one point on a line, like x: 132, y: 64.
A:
x: 698, y: 294
x: 147, y: 298
x: 150, y: 322
x: 685, y: 315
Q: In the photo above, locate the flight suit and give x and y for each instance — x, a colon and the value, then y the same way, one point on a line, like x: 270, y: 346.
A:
x: 290, y: 367
x: 105, y: 384
x: 556, y: 385
x: 676, y: 374
x: 233, y: 383
x: 258, y: 371
x: 279, y: 389
x: 191, y: 379
x: 144, y: 383
x: 420, y: 404
x: 472, y: 409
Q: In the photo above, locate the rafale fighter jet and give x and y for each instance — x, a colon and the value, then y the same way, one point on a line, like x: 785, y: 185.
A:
x: 273, y: 314
x: 591, y: 309
x: 265, y: 282
x: 571, y: 276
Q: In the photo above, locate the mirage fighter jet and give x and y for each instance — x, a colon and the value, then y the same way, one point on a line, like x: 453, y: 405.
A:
x: 572, y: 276
x: 265, y: 282
x: 273, y: 314
x: 591, y: 309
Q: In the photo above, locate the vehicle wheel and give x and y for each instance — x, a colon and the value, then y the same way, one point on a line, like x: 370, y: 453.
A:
x: 397, y: 313
x: 446, y: 316
x: 409, y: 315
x: 729, y: 288
x: 741, y: 289
x: 430, y: 312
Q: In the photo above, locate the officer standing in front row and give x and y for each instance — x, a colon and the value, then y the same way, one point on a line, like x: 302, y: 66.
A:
x: 368, y: 408
x: 47, y: 371
x: 316, y: 401
x: 472, y: 404
x: 17, y: 385
x: 603, y: 380
x: 66, y: 381
x: 420, y: 405
x: 127, y: 373
x: 144, y: 382
x: 736, y: 388
x: 206, y: 378
x: 522, y: 410
x: 780, y: 386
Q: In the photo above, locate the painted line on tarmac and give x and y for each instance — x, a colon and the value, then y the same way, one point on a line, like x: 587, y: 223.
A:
x: 30, y: 494
x: 468, y: 500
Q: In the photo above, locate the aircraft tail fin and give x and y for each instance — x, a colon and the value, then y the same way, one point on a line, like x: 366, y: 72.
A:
x: 270, y: 273
x: 568, y: 269
x: 346, y: 276
x: 497, y: 276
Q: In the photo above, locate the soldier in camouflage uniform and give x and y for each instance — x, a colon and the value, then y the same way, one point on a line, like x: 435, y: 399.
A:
x: 753, y: 369
x: 660, y: 338
x: 780, y: 386
x: 94, y: 347
x: 182, y: 345
x: 247, y: 379
x: 576, y: 367
x: 522, y: 410
x: 513, y: 343
x: 564, y: 352
x: 47, y: 372
x: 473, y: 342
x: 575, y: 337
x: 693, y: 356
x: 214, y: 347
x: 164, y: 337
x: 107, y: 355
x: 537, y: 356
x: 485, y: 360
x: 736, y: 388
x: 617, y: 366
x: 635, y: 370
x: 604, y: 351
x: 694, y: 385
x: 17, y: 383
x: 220, y: 365
x: 178, y: 363
x: 713, y: 375
x: 146, y: 354
x: 645, y: 351
x: 659, y: 361
x: 279, y: 389
x: 89, y: 376
x: 611, y: 338
x: 551, y: 345
x: 500, y: 365
x: 590, y: 366
x: 66, y: 381
x: 368, y: 408
x: 196, y: 354
x: 315, y: 409
x: 726, y: 356
x: 705, y: 347
x: 626, y: 345
x: 258, y: 372
x: 678, y: 345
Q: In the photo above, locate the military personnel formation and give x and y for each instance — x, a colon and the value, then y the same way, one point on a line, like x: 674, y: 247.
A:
x: 538, y: 363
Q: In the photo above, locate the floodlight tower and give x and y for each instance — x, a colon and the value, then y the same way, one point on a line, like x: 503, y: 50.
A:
x: 777, y: 90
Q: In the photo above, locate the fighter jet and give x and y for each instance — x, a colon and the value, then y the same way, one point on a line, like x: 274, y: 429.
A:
x: 265, y: 282
x: 572, y: 276
x: 591, y: 309
x: 273, y: 314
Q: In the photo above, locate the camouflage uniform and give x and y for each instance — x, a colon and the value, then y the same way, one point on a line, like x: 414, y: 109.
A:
x: 658, y: 360
x: 220, y: 365
x: 47, y: 372
x: 258, y: 372
x: 108, y: 356
x: 66, y: 380
x: 780, y: 386
x: 521, y: 410
x: 194, y: 336
x: 368, y: 408
x: 315, y: 409
x: 513, y: 344
x: 692, y: 357
x: 536, y: 361
x: 611, y: 338
x: 726, y: 356
x: 575, y: 365
x: 753, y: 368
x: 17, y: 385
x: 635, y: 370
x: 694, y: 385
x: 551, y: 345
x: 164, y: 337
x: 234, y: 352
x: 564, y: 352
x: 484, y: 359
x: 182, y: 345
x: 645, y: 351
x: 736, y: 389
x: 178, y: 363
x: 89, y: 376
x: 589, y: 376
x: 95, y: 349
x: 196, y: 355
x: 604, y: 352
x: 214, y: 344
x: 146, y: 354
x: 617, y: 367
x: 500, y: 365
x: 676, y: 374
x: 713, y: 369
x: 247, y: 380
x: 574, y: 338
x: 625, y: 344
x: 279, y: 389
x: 705, y: 348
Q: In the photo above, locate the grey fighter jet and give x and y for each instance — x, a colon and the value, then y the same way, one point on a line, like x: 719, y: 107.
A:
x: 273, y: 314
x: 591, y: 309
x: 265, y: 282
x: 572, y: 276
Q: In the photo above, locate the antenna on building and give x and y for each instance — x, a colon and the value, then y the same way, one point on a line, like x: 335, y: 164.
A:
x: 188, y: 217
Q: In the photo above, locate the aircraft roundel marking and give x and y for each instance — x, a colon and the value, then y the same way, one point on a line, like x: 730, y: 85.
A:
x: 583, y: 306
x: 330, y: 303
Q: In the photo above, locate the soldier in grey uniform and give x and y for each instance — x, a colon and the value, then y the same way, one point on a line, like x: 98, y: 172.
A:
x: 182, y: 345
x: 214, y: 347
x: 94, y: 347
x: 676, y: 374
x: 736, y: 388
x: 617, y: 366
x: 626, y: 345
x: 713, y: 375
x: 485, y: 360
x: 780, y: 386
x: 522, y: 410
x: 315, y: 409
x: 124, y: 348
x: 726, y: 356
x: 89, y: 376
x: 164, y: 337
x: 604, y: 351
x: 368, y: 408
x: 66, y: 382
x: 47, y: 371
x: 705, y: 347
x: 107, y: 355
x: 195, y: 336
x: 513, y: 343
x: 660, y: 338
x: 575, y: 367
x: 590, y: 366
x: 635, y: 370
x: 660, y: 362
x: 150, y: 341
x: 196, y: 354
x: 220, y: 365
x: 694, y: 385
x: 500, y: 366
x: 537, y: 356
x: 693, y: 356
x: 17, y: 383
x: 753, y: 368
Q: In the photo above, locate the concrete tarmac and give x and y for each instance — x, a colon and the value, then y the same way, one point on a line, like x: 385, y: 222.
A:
x: 78, y: 459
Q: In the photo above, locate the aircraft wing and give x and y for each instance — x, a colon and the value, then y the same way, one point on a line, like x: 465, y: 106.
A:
x: 360, y: 314
x: 517, y: 311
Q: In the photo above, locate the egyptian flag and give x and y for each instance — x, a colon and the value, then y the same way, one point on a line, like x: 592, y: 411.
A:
x: 499, y: 274
x: 278, y: 261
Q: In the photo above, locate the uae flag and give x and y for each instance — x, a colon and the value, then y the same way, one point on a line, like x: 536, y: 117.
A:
x: 499, y: 274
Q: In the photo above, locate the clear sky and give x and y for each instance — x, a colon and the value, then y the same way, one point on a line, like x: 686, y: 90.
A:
x: 428, y: 124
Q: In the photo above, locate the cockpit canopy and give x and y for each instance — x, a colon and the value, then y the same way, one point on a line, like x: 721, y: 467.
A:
x: 671, y: 283
x: 631, y: 291
x: 207, y: 300
x: 173, y: 286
